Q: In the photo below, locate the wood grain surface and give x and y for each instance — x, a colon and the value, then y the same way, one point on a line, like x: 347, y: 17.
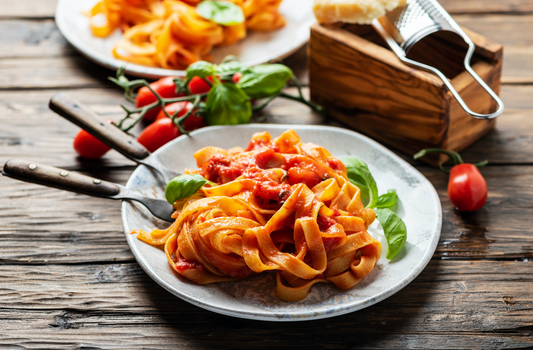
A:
x: 69, y: 281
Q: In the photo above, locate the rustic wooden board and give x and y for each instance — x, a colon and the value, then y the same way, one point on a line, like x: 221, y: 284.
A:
x: 451, y: 305
x: 30, y: 9
x: 36, y: 9
x: 38, y: 39
x: 86, y: 229
x: 24, y: 114
x: 488, y: 6
x: 78, y: 229
x: 26, y: 38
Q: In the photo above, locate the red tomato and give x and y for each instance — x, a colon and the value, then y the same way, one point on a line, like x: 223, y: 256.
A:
x: 301, y: 175
x: 236, y: 77
x: 88, y: 146
x: 158, y: 133
x: 198, y: 86
x: 164, y: 87
x: 193, y: 122
x: 467, y: 188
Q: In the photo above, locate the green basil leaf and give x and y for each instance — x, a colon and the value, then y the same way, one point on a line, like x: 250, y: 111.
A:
x: 227, y: 69
x: 200, y: 69
x: 264, y: 80
x: 227, y: 104
x: 360, y: 176
x: 387, y: 200
x: 183, y: 186
x: 394, y: 229
x: 222, y: 12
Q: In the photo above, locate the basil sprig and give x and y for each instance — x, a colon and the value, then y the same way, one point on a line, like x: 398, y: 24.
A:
x: 387, y: 200
x: 227, y: 104
x: 231, y: 67
x: 361, y: 177
x: 229, y: 100
x: 393, y: 226
x: 221, y: 12
x: 264, y: 80
x: 183, y: 186
x: 395, y: 230
x: 200, y: 69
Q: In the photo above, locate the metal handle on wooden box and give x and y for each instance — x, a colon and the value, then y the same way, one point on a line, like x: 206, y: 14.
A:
x: 415, y: 20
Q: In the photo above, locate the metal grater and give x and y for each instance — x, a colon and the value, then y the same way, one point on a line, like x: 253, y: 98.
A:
x: 408, y: 24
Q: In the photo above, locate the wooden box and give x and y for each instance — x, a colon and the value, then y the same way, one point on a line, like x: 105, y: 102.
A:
x: 363, y: 84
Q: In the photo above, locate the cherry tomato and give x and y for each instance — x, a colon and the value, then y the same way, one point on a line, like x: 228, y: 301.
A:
x: 193, y: 122
x: 198, y: 86
x: 158, y: 133
x: 88, y: 146
x: 164, y: 87
x: 467, y: 188
x: 236, y: 77
x: 181, y: 107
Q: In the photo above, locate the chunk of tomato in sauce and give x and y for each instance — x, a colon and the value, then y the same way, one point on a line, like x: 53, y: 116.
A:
x: 336, y: 165
x: 183, y: 265
x: 267, y: 159
x: 324, y: 222
x: 212, y: 168
x: 268, y: 190
x: 300, y: 175
x: 261, y: 140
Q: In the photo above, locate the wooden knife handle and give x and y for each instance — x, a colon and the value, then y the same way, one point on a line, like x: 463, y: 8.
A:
x: 58, y: 178
x: 72, y: 110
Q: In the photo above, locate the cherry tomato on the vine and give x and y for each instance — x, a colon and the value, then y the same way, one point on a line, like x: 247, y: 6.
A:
x: 158, y: 133
x: 88, y: 146
x: 467, y: 188
x: 197, y: 85
x: 236, y: 77
x: 192, y: 122
x: 164, y: 87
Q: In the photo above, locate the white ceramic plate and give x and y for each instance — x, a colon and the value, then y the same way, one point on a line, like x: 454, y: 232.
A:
x: 255, y: 298
x: 256, y: 48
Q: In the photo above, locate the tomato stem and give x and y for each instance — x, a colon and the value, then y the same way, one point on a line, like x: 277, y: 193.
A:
x: 180, y: 121
x: 264, y: 104
x: 310, y: 104
x: 452, y: 154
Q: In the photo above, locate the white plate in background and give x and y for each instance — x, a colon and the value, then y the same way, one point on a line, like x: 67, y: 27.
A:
x: 255, y: 49
x: 255, y: 298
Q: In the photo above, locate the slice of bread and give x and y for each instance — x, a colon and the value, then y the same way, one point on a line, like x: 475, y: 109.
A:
x: 353, y: 11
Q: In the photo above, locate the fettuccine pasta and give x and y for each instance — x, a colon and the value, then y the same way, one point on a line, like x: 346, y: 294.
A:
x: 170, y: 33
x: 280, y: 205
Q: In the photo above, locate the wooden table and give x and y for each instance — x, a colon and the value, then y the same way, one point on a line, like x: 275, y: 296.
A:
x: 69, y: 281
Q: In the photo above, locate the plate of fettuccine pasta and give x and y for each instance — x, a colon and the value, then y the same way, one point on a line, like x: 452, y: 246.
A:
x: 270, y: 226
x: 156, y: 38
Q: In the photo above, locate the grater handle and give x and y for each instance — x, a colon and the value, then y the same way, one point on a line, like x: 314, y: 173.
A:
x: 471, y: 47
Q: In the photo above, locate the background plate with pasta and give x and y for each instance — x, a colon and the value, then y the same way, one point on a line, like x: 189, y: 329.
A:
x: 255, y: 298
x: 255, y: 49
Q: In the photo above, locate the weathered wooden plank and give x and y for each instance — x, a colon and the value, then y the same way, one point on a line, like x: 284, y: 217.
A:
x: 28, y: 8
x: 31, y: 130
x: 85, y: 229
x: 483, y: 234
x: 489, y: 6
x: 45, y: 225
x: 38, y: 39
x: 27, y: 38
x: 24, y: 114
x: 451, y: 305
x: 46, y: 8
x: 51, y: 72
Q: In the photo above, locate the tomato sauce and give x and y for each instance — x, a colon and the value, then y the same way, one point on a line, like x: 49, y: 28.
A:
x: 273, y: 172
x: 183, y: 265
